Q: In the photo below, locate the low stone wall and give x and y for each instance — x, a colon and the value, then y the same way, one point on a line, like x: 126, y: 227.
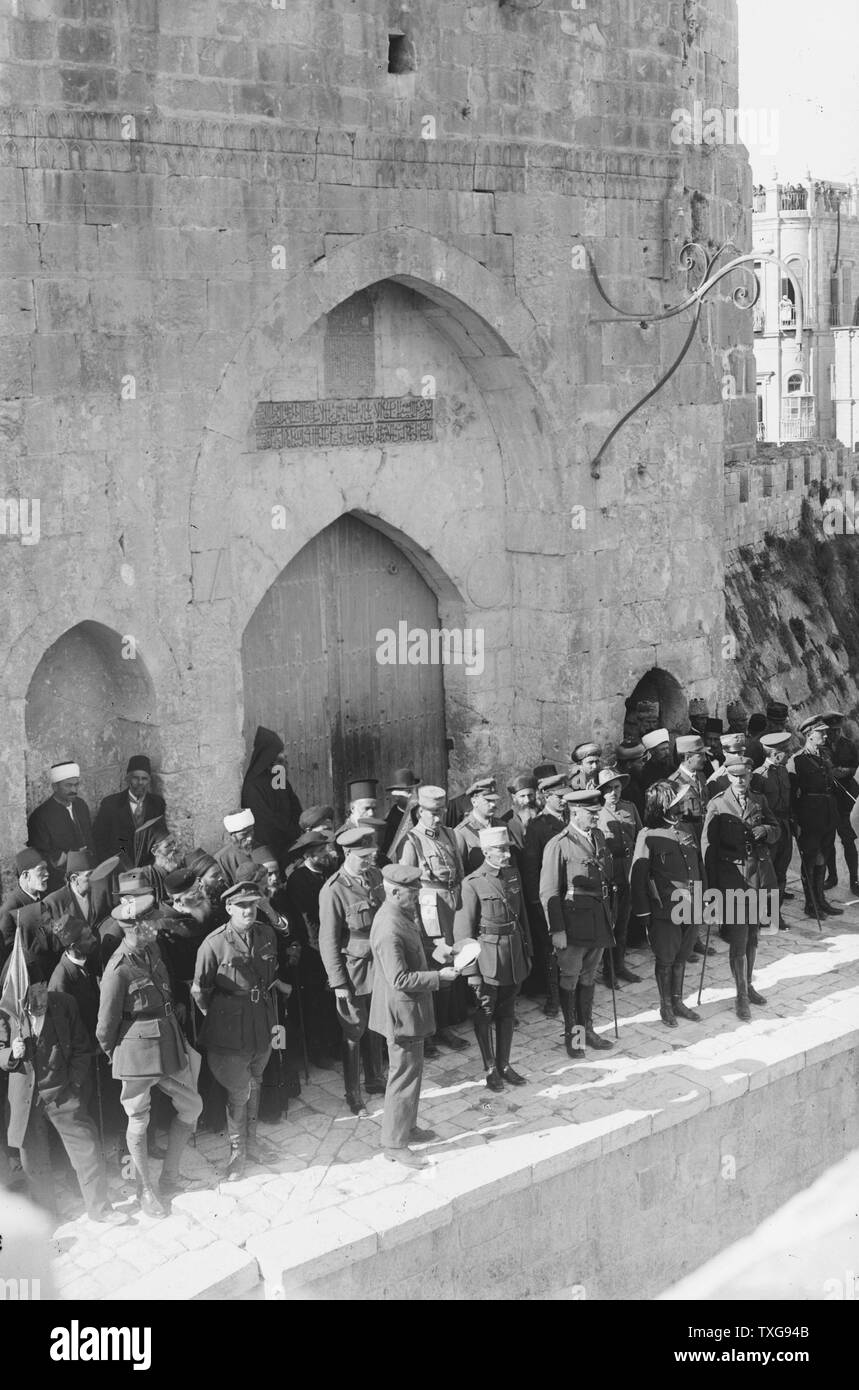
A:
x: 617, y: 1208
x: 765, y: 493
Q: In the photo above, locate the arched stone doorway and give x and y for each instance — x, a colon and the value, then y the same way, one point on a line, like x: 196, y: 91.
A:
x: 310, y: 668
x: 657, y: 702
x: 90, y: 698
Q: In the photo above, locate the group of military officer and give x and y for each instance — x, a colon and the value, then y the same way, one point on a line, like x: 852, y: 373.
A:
x: 394, y: 929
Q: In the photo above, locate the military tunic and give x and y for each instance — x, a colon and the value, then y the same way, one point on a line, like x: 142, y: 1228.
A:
x: 436, y: 854
x: 347, y: 906
x: 620, y: 826
x: 694, y: 808
x: 575, y: 887
x: 467, y: 835
x: 813, y: 804
x: 735, y: 861
x: 843, y: 755
x: 666, y: 866
x: 773, y: 783
x: 138, y: 1029
x: 493, y: 913
x: 233, y: 981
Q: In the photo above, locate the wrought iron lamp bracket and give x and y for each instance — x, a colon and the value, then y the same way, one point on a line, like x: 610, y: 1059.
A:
x: 704, y: 274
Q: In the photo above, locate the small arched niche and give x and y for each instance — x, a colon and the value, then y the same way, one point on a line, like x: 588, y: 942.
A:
x: 90, y: 699
x: 657, y: 702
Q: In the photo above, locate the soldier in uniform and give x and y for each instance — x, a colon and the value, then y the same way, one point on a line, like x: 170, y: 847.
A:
x: 575, y: 885
x: 772, y: 781
x: 401, y: 1009
x: 660, y: 764
x: 620, y: 823
x: 237, y: 968
x: 484, y: 804
x: 732, y: 745
x: 493, y: 913
x: 543, y: 828
x: 432, y: 848
x: 138, y: 1030
x: 584, y: 764
x: 318, y: 860
x: 693, y: 807
x: 666, y: 866
x: 348, y: 902
x: 61, y: 823
x: 813, y: 811
x: 845, y: 760
x: 739, y: 830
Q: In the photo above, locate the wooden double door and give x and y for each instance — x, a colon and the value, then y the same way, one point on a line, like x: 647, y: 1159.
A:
x: 311, y: 668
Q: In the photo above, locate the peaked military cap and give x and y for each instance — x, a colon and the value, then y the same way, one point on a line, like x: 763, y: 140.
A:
x: 403, y: 875
x: 483, y: 784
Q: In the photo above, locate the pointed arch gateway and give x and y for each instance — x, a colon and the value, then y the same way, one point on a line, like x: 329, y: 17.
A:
x: 311, y: 673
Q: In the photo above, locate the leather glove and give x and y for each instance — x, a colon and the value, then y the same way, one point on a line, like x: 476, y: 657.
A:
x: 760, y: 833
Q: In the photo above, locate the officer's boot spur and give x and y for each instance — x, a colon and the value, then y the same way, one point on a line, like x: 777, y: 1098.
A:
x: 568, y: 1005
x: 483, y: 1033
x: 237, y: 1119
x: 663, y: 984
x: 258, y: 1150
x: 586, y: 1007
x: 171, y: 1182
x: 352, y: 1076
x: 504, y: 1039
x: 678, y: 973
x: 150, y: 1203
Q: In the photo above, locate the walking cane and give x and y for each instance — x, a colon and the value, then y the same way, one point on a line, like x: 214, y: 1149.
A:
x: 611, y: 913
x: 809, y: 882
x: 297, y: 992
x: 704, y: 961
x: 100, y: 1107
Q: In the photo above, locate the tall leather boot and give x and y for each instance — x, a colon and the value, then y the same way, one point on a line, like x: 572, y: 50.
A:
x: 830, y: 870
x: 504, y: 1042
x: 678, y: 973
x: 568, y: 1006
x: 552, y: 1006
x: 352, y: 1077
x: 751, y: 953
x: 851, y: 859
x: 237, y: 1124
x: 585, y: 1007
x: 739, y: 969
x: 171, y: 1182
x: 375, y: 1083
x: 258, y: 1150
x: 138, y: 1149
x: 663, y: 984
x: 810, y: 906
x: 825, y: 907
x: 483, y: 1033
x: 621, y: 970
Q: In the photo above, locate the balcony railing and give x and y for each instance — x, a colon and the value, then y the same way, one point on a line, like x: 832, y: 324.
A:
x: 793, y: 428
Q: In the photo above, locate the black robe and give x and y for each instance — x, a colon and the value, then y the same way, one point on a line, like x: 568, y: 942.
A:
x: 51, y: 830
x: 276, y: 809
x: 114, y: 827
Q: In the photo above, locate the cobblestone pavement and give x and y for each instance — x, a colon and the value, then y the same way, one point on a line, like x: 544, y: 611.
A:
x: 322, y: 1157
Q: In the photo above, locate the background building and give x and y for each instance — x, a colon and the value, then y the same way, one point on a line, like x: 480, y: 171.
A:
x: 801, y: 375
